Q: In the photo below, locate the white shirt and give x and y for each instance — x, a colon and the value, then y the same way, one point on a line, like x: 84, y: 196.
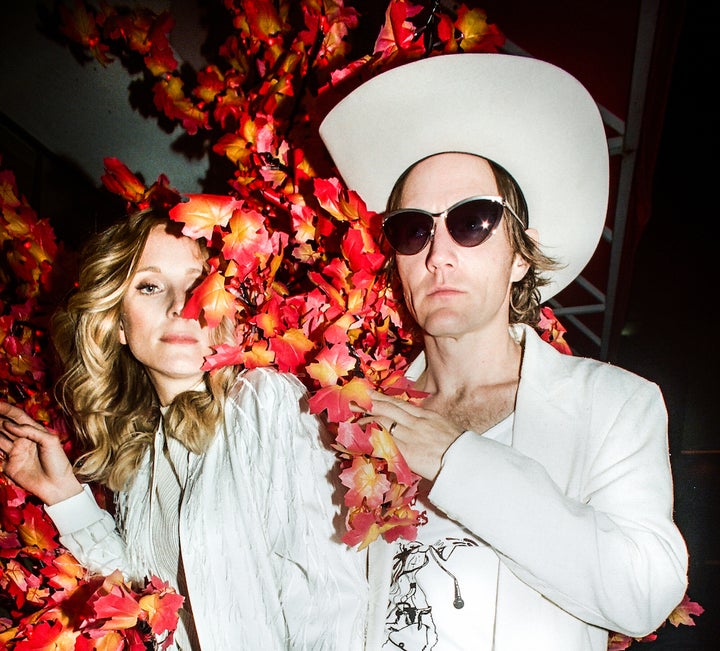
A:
x: 443, y: 593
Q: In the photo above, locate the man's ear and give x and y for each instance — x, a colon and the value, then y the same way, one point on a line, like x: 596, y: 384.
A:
x: 520, y: 264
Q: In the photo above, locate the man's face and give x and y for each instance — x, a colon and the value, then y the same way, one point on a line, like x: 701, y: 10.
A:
x: 452, y: 290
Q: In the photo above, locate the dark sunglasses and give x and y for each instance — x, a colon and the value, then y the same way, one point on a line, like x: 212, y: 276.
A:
x: 470, y: 222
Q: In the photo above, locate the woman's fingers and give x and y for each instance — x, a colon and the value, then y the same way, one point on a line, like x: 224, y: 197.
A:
x: 34, y: 458
x: 14, y: 414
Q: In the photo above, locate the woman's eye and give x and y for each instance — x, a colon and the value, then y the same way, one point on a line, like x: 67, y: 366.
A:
x: 148, y: 288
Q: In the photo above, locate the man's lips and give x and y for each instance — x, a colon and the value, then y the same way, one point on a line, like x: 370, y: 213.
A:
x: 443, y: 291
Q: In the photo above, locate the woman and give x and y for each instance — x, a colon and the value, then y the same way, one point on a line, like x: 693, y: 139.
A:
x: 221, y: 480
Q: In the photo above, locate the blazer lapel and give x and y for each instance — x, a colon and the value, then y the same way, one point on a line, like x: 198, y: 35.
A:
x: 546, y: 409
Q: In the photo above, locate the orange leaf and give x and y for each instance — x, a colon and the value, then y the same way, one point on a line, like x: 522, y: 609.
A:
x: 362, y: 530
x: 121, y: 181
x: 202, y: 212
x: 331, y: 364
x: 366, y: 484
x: 248, y: 242
x: 161, y: 610
x: 291, y: 349
x: 212, y: 300
x: 111, y: 641
x: 37, y: 530
x: 69, y: 571
x: 384, y: 447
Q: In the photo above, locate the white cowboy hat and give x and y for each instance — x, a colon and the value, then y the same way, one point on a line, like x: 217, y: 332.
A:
x: 531, y: 117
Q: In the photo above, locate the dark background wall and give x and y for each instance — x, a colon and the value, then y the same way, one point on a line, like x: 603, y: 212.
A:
x: 670, y: 326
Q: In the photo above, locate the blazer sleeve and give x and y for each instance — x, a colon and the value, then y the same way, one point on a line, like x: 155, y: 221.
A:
x: 89, y: 534
x: 608, y: 552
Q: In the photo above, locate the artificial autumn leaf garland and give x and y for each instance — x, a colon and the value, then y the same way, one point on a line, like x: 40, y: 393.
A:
x: 297, y: 260
x: 47, y: 600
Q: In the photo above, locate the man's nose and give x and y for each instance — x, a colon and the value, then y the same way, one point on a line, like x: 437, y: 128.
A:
x: 442, y: 250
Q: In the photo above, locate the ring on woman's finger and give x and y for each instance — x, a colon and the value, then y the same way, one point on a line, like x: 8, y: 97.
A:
x: 392, y: 427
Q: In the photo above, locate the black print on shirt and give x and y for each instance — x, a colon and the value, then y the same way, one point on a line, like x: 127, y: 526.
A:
x: 409, y: 624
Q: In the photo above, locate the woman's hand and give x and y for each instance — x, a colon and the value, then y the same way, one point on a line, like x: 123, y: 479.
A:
x: 33, y: 457
x: 421, y: 434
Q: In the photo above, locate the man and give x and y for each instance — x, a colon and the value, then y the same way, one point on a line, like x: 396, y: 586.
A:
x: 546, y: 477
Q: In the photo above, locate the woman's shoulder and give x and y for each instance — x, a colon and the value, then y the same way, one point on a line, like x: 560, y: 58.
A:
x: 267, y: 405
x: 266, y: 380
x: 267, y: 390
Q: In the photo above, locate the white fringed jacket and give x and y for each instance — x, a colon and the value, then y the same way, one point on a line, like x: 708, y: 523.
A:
x: 264, y: 565
x: 578, y: 508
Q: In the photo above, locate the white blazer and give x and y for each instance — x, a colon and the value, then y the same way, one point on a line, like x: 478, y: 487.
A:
x: 578, y: 508
x: 259, y: 521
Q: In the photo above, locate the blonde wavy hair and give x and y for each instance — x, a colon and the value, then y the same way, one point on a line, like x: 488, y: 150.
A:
x: 525, y: 293
x: 104, y: 389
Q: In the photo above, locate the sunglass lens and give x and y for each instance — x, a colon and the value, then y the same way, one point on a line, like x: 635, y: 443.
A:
x: 471, y: 223
x: 408, y: 231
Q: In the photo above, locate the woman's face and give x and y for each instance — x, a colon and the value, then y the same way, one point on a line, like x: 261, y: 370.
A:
x: 171, y: 348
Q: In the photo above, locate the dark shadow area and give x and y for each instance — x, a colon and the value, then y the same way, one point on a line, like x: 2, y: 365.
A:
x: 668, y: 336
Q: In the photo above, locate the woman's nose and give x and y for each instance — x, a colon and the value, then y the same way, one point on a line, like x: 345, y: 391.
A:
x: 178, y: 299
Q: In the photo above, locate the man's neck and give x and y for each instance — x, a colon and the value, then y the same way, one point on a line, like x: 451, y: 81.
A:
x: 473, y: 360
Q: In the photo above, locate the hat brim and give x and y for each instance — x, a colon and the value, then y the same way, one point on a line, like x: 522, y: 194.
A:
x: 531, y: 117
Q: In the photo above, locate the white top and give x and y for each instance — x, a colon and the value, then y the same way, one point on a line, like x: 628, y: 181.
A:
x: 444, y: 584
x: 171, y: 473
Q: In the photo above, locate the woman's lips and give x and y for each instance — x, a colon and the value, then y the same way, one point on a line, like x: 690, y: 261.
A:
x: 178, y: 339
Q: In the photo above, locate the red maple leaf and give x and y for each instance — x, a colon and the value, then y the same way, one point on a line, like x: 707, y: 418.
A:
x: 117, y: 608
x: 552, y: 331
x: 685, y: 611
x: 401, y: 522
x: 160, y: 607
x: 169, y: 97
x: 291, y: 349
x: 160, y: 58
x: 362, y: 529
x: 37, y: 530
x: 336, y: 400
x: 398, y: 32
x: 353, y: 438
x: 247, y: 242
x: 361, y: 251
x: 80, y: 26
